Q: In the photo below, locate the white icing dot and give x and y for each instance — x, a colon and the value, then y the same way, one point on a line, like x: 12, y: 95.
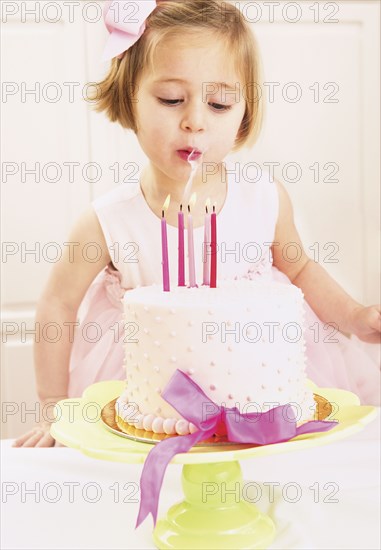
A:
x: 156, y: 368
x: 190, y: 348
x: 146, y: 309
x: 229, y: 371
x: 172, y: 310
x: 157, y: 343
x: 190, y: 372
x: 157, y: 425
x: 146, y: 398
x: 173, y: 359
x: 169, y: 426
x: 278, y: 371
x: 248, y: 399
x: 192, y: 428
x: 210, y: 312
x: 230, y: 396
x: 212, y: 364
x: 145, y: 330
x: 146, y: 381
x: 145, y: 355
x: 139, y: 422
x: 172, y: 334
x: 158, y: 319
x: 190, y: 323
x: 130, y: 410
x: 147, y: 422
x: 210, y: 337
x: 212, y: 387
x: 157, y: 390
x: 229, y: 323
x: 230, y: 348
x: 280, y: 389
x: 263, y: 387
x: 182, y: 427
x: 264, y: 364
x: 158, y: 410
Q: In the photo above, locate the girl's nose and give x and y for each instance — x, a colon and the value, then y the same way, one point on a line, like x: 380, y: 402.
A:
x: 193, y: 119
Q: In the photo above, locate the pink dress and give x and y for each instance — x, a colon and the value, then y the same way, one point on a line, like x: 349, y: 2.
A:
x: 246, y: 227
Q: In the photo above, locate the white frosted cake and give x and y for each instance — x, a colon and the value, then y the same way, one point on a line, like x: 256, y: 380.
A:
x: 242, y: 343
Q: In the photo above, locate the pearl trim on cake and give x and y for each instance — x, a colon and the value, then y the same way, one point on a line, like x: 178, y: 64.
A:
x: 129, y: 412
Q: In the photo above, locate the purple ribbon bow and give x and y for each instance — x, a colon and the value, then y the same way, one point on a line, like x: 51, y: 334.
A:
x: 125, y: 22
x: 273, y: 426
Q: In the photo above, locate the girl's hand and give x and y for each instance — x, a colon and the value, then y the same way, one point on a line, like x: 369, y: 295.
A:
x: 366, y: 323
x: 39, y: 436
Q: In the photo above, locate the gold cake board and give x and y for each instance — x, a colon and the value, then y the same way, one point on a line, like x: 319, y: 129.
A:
x: 118, y: 426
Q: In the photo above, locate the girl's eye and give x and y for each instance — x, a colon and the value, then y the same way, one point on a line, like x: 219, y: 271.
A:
x: 216, y: 106
x: 219, y: 107
x: 169, y: 101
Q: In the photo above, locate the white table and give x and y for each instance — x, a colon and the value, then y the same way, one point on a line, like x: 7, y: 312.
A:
x: 85, y: 503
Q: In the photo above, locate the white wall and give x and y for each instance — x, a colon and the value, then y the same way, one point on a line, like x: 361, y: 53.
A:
x: 64, y: 55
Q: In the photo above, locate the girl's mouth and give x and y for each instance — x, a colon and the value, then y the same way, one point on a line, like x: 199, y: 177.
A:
x: 186, y: 155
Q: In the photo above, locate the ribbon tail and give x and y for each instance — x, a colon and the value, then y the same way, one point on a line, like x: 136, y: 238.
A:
x: 315, y: 426
x: 155, y: 466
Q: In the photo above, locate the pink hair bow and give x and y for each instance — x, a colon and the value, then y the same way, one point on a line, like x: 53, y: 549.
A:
x: 125, y: 22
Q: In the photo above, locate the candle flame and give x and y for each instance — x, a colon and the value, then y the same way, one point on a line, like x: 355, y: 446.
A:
x: 166, y: 203
x: 192, y: 200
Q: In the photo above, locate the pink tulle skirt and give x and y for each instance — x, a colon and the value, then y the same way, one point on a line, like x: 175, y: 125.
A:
x: 97, y: 353
x: 333, y: 359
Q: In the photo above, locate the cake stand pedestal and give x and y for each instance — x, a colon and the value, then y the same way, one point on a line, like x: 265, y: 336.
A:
x: 214, y: 513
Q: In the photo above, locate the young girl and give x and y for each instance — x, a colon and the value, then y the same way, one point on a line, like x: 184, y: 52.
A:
x: 180, y: 79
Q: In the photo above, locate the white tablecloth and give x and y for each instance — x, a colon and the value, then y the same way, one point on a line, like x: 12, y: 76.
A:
x: 60, y: 499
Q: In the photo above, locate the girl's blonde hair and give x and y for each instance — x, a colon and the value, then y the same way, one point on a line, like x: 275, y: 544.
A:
x: 174, y: 19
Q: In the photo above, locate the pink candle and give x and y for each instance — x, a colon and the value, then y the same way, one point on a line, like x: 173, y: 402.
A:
x: 164, y: 248
x: 213, y: 246
x: 192, y: 270
x: 181, y: 266
x: 206, y: 250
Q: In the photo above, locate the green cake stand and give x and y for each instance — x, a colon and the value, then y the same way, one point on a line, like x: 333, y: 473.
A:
x: 213, y: 514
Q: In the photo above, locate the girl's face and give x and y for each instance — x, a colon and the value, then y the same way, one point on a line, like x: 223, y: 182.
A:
x: 193, y: 99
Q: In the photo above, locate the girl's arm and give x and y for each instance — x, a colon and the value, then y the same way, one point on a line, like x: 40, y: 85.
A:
x: 66, y: 286
x: 326, y: 297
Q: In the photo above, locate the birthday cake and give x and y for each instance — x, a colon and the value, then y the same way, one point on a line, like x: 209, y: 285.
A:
x: 242, y: 343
